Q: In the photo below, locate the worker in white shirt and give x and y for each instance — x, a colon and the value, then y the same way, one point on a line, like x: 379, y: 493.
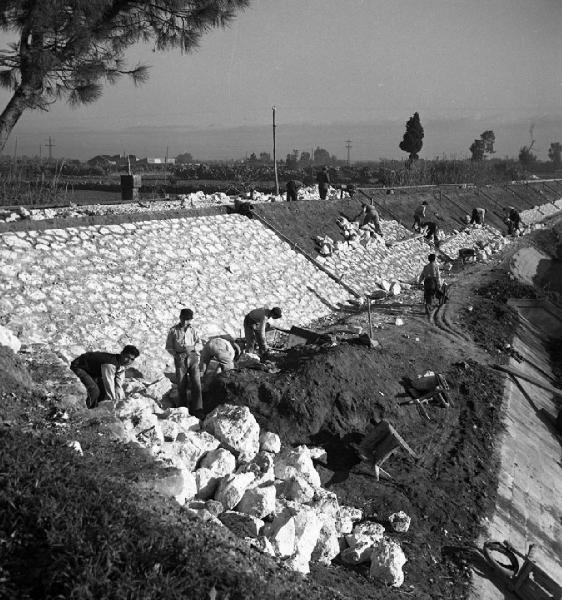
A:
x: 185, y: 345
x: 431, y: 279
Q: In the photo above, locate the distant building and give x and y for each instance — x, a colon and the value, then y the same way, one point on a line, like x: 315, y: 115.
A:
x: 152, y: 162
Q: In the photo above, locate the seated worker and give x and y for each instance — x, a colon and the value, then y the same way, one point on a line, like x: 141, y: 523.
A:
x: 431, y: 231
x: 419, y: 215
x: 103, y: 373
x: 369, y: 216
x: 431, y: 279
x: 477, y: 217
x: 513, y: 221
x: 184, y: 344
x: 254, y: 327
x: 292, y: 188
x: 223, y: 349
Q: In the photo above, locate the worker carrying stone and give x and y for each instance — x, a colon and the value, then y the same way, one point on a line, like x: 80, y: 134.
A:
x: 478, y: 216
x: 430, y: 230
x: 185, y: 345
x: 103, y: 374
x: 513, y: 221
x: 223, y: 349
x: 369, y: 218
x: 430, y: 277
x: 254, y: 328
x: 419, y: 216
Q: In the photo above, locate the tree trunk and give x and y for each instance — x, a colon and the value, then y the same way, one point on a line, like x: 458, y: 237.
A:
x: 11, y: 114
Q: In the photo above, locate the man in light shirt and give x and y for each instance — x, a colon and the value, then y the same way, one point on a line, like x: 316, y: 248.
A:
x: 431, y: 279
x: 103, y: 373
x: 185, y: 345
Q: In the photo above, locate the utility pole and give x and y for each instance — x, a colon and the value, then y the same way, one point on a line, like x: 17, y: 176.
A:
x: 348, y: 146
x: 275, y: 157
x: 50, y: 145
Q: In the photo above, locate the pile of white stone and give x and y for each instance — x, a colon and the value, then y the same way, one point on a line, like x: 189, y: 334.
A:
x: 240, y: 478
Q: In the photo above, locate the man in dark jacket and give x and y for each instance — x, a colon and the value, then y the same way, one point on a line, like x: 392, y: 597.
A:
x: 292, y: 188
x: 254, y: 327
x: 103, y: 373
x: 323, y: 180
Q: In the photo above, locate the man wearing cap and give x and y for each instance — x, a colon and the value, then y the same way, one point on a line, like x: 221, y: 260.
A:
x: 323, y: 180
x: 254, y: 327
x: 184, y: 344
x: 103, y: 373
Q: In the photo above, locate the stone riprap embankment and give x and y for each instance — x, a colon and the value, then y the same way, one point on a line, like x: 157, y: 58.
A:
x: 104, y: 286
x: 101, y: 286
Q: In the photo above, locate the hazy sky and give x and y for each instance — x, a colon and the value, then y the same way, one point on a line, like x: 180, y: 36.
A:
x: 325, y: 64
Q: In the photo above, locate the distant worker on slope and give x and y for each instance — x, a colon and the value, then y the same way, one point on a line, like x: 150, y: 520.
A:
x: 323, y: 180
x: 369, y: 216
x: 185, y: 345
x: 103, y: 374
x: 513, y: 221
x: 254, y: 327
x: 292, y: 188
x: 431, y: 279
x: 478, y: 216
x: 419, y: 215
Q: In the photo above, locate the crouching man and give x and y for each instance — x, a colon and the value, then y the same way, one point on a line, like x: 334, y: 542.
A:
x: 221, y: 349
x: 103, y: 373
x: 254, y: 328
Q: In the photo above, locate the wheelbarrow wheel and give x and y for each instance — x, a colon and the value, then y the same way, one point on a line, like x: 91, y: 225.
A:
x: 501, y: 558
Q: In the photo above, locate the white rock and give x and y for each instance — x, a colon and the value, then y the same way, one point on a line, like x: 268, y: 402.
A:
x: 135, y: 405
x: 346, y: 517
x: 188, y: 452
x: 281, y: 534
x: 307, y: 532
x: 158, y: 388
x: 384, y: 285
x: 367, y: 532
x: 294, y: 461
x: 258, y: 501
x: 236, y: 428
x: 387, y: 560
x: 400, y: 521
x: 7, y: 338
x: 399, y: 321
x: 395, y: 289
x: 262, y: 467
x: 327, y: 546
x: 207, y: 483
x: 270, y: 442
x: 146, y: 429
x: 241, y: 524
x: 232, y: 488
x: 219, y: 461
x: 295, y: 488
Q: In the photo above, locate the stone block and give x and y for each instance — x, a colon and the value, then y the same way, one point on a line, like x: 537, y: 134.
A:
x: 241, y: 524
x: 236, y: 428
x: 387, y: 560
x: 232, y: 488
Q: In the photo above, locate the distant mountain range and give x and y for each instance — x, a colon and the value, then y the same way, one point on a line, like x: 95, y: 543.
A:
x: 369, y: 141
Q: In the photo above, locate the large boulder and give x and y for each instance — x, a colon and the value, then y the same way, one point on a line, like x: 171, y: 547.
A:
x: 295, y: 488
x: 219, y: 461
x: 188, y: 453
x: 258, y: 501
x: 361, y: 553
x: 135, y: 405
x: 327, y: 546
x: 262, y: 467
x: 294, y: 461
x: 171, y: 482
x: 232, y: 488
x: 145, y: 428
x: 307, y: 531
x: 387, y: 560
x: 206, y: 482
x: 368, y: 532
x: 281, y: 533
x: 236, y: 428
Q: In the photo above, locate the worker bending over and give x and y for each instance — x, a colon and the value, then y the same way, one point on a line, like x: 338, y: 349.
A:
x: 103, y: 374
x: 222, y: 349
x: 254, y: 327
